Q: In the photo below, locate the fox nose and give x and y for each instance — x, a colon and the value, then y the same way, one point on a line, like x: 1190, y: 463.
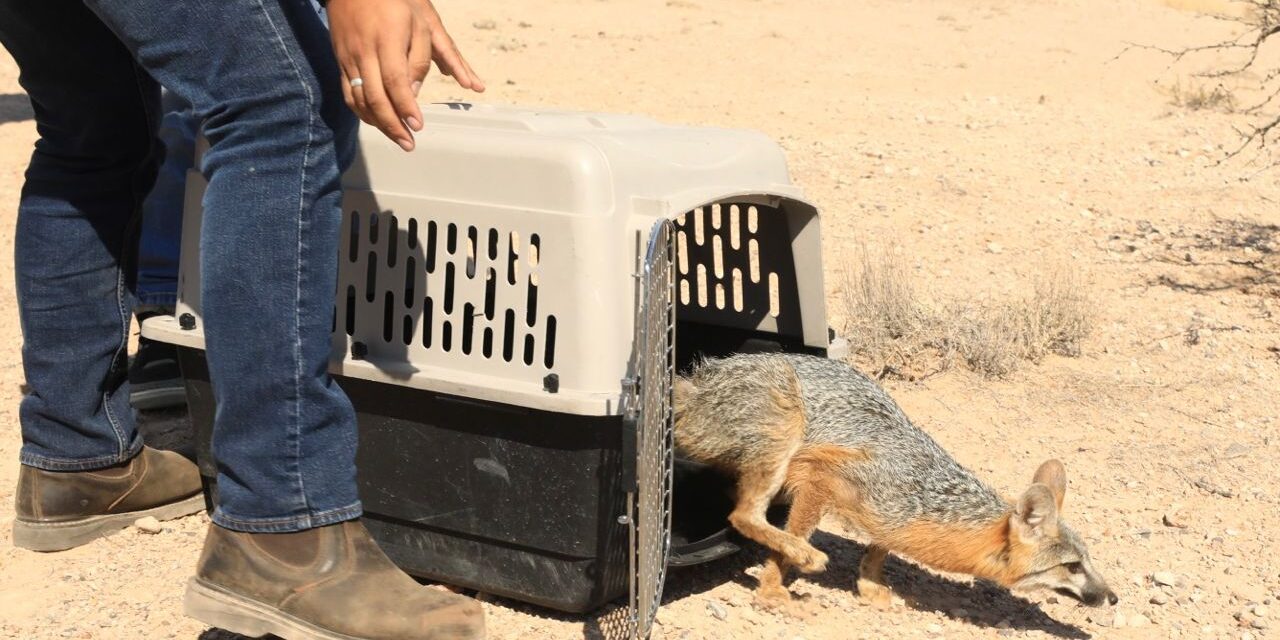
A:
x: 1100, y: 598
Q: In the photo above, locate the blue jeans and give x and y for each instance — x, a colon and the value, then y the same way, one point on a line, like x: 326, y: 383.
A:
x: 262, y: 77
x: 160, y: 242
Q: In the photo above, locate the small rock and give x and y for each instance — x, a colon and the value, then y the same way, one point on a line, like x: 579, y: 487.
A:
x: 1236, y: 450
x: 1210, y: 487
x: 1138, y: 620
x: 1174, y: 520
x: 717, y: 610
x: 995, y: 247
x: 1248, y: 593
x: 148, y: 525
x: 485, y: 25
x: 1119, y: 620
x: 1260, y: 611
x: 1165, y: 578
x: 1246, y: 636
x: 1160, y: 599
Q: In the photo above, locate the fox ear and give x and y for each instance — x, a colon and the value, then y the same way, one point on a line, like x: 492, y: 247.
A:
x: 1052, y: 474
x: 1036, y: 513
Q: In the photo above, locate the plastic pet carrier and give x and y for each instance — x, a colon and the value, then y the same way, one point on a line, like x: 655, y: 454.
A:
x: 513, y: 300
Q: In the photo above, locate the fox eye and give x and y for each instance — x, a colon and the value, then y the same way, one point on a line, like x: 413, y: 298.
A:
x: 1074, y: 567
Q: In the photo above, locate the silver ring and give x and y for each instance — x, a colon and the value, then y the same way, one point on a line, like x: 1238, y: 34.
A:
x: 357, y: 82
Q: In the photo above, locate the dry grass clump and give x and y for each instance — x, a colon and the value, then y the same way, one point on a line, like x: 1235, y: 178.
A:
x: 895, y: 332
x: 1202, y: 97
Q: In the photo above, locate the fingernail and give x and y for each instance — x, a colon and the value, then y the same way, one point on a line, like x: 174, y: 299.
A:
x: 405, y: 144
x: 417, y: 86
x: 413, y: 123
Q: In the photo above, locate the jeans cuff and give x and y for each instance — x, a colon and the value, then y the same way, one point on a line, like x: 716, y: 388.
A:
x: 90, y: 464
x: 290, y: 524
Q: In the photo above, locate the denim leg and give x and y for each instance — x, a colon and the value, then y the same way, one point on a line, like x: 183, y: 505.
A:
x: 77, y: 219
x: 161, y: 234
x: 262, y: 76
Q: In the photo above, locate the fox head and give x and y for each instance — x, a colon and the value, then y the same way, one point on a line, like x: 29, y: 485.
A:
x: 1046, y: 552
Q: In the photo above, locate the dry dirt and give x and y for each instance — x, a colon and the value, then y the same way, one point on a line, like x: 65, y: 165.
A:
x: 989, y: 138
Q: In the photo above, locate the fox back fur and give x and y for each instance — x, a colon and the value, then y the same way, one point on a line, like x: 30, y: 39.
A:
x: 819, y: 433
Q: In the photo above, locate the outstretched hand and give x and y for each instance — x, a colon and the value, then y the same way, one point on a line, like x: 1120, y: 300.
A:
x: 386, y: 47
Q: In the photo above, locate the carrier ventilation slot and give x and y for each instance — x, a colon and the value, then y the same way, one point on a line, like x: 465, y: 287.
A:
x: 441, y: 285
x: 725, y: 256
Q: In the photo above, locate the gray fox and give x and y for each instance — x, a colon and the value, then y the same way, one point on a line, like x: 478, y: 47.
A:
x: 821, y: 434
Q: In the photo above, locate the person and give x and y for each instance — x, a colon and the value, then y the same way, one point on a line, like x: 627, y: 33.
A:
x: 286, y: 552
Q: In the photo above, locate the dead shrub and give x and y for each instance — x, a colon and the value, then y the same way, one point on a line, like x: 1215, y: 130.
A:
x: 890, y: 328
x: 1062, y: 312
x: 1243, y: 58
x: 894, y: 332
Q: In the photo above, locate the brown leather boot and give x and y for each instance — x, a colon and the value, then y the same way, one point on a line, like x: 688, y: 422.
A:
x: 328, y: 583
x: 63, y: 509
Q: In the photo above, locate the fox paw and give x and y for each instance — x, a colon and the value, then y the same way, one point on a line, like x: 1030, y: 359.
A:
x: 775, y: 598
x: 875, y: 595
x: 809, y: 560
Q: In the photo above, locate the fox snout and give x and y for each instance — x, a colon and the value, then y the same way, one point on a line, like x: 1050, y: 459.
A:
x: 1093, y: 597
x: 1107, y: 597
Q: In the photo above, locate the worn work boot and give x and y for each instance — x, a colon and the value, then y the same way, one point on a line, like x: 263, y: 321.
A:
x: 328, y: 583
x: 63, y: 509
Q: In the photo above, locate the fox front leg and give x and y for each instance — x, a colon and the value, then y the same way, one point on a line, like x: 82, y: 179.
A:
x: 807, y: 508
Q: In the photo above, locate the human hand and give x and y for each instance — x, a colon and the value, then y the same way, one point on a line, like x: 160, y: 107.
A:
x: 387, y: 47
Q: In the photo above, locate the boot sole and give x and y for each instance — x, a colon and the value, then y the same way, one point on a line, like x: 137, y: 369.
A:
x: 59, y: 536
x: 224, y: 610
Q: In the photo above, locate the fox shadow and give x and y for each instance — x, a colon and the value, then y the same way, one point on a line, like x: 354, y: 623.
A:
x: 984, y: 604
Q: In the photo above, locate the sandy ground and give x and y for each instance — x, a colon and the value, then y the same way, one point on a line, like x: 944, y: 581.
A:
x: 989, y: 138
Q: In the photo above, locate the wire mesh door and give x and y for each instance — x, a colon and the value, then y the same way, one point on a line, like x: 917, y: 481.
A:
x: 649, y: 506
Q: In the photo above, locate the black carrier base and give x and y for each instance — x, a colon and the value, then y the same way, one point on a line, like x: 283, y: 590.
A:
x: 510, y: 501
